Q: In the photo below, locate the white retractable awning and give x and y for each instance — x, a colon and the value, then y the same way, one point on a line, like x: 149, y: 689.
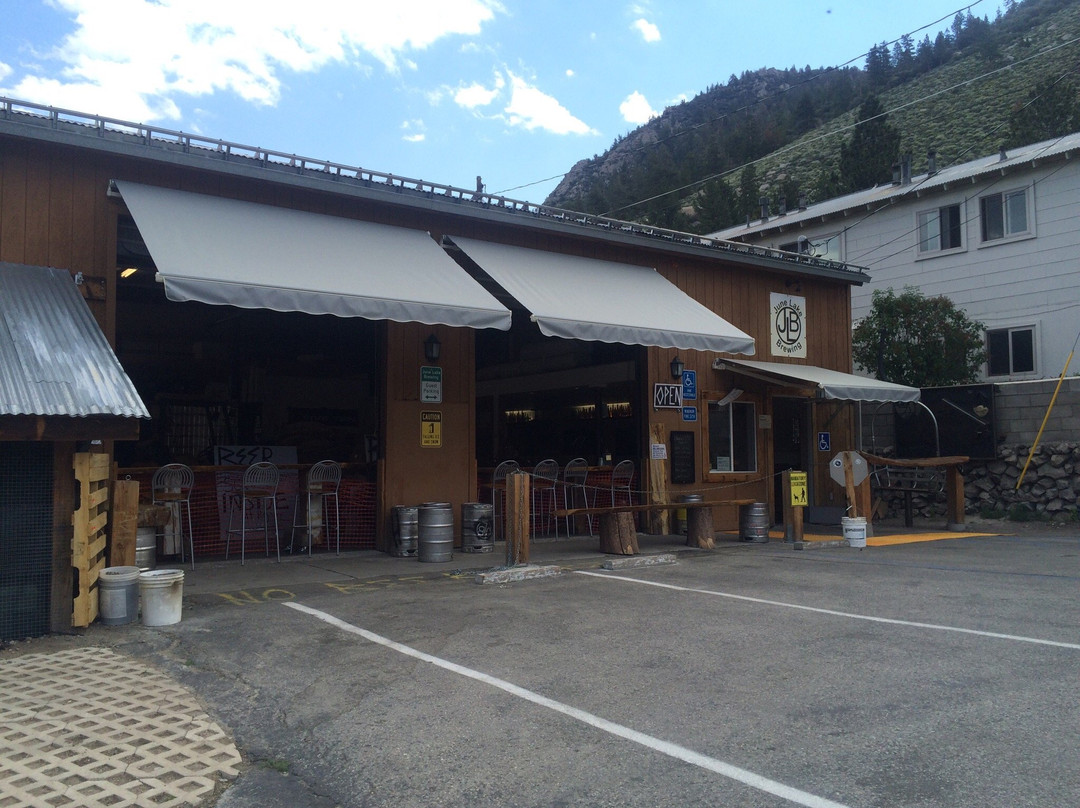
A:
x: 583, y: 298
x: 828, y: 383
x: 227, y: 252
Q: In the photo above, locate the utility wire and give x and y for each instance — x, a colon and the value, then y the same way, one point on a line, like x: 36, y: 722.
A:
x: 840, y: 130
x: 756, y: 103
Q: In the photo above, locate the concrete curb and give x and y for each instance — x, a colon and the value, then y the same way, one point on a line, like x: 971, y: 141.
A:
x: 639, y: 561
x: 518, y: 574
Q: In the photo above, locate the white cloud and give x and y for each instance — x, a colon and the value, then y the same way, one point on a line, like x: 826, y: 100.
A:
x: 414, y: 131
x: 569, y: 73
x: 649, y: 32
x: 636, y: 109
x: 138, y: 58
x: 5, y: 71
x: 477, y: 95
x: 532, y: 109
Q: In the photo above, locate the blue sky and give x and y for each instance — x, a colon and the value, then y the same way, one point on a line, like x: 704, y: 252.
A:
x: 439, y: 90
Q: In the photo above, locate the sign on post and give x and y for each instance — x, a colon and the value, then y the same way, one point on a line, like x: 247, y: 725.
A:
x: 798, y: 489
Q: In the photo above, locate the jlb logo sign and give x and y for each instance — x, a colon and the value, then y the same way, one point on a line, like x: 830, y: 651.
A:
x: 788, y: 325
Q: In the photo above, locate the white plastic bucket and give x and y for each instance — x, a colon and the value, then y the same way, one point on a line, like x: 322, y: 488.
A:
x: 118, y: 595
x: 162, y: 596
x: 854, y: 530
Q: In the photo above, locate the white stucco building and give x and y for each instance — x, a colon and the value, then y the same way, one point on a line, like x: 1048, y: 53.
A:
x: 999, y: 236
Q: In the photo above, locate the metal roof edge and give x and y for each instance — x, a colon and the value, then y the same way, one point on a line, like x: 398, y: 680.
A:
x: 121, y: 138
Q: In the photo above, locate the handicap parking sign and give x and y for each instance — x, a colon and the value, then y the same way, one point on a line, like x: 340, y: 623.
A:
x: 824, y: 441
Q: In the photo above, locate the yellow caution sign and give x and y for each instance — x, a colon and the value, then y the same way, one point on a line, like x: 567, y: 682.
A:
x: 431, y: 429
x: 798, y: 489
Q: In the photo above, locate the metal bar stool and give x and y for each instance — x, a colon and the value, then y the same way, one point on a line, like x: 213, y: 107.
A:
x: 259, y: 490
x: 575, y: 475
x: 545, y: 478
x: 323, y: 482
x: 172, y: 485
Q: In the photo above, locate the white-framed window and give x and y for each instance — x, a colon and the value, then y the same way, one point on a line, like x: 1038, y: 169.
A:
x: 940, y: 229
x: 827, y: 247
x: 1004, y: 215
x: 732, y: 437
x: 1010, y: 351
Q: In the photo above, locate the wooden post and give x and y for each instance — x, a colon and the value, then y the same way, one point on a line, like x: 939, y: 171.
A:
x: 954, y: 497
x: 865, y: 505
x: 699, y: 528
x: 658, y: 490
x: 793, y: 514
x: 849, y: 485
x: 125, y: 518
x: 617, y: 533
x: 517, y: 519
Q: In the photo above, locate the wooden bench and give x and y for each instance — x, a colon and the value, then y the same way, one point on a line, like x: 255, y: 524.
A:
x: 618, y: 535
x: 922, y: 476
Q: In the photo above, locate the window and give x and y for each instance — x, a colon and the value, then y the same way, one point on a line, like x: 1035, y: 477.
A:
x: 827, y: 247
x: 1004, y: 215
x: 732, y: 437
x: 1009, y: 351
x: 940, y: 229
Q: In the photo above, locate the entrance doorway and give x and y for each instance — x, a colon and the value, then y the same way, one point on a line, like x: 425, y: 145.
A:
x: 791, y: 444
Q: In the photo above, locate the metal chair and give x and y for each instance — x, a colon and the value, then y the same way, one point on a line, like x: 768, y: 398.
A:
x: 545, y: 479
x: 172, y: 485
x: 621, y: 478
x: 259, y: 490
x: 323, y: 481
x: 575, y: 475
x: 498, y: 496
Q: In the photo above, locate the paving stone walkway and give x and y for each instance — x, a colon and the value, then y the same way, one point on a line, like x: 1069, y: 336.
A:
x: 92, y: 727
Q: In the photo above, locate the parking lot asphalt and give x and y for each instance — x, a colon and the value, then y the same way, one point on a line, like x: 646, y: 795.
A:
x: 926, y: 674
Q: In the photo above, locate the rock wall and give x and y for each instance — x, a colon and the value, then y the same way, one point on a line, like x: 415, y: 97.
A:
x: 1051, y: 487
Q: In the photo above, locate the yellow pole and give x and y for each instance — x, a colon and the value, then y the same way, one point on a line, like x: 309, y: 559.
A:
x: 1046, y: 417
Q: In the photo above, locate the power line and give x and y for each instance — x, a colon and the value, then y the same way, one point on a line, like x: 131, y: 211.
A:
x: 758, y: 102
x: 840, y: 130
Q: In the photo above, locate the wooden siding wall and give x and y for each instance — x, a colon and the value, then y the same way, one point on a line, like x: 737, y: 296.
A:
x: 54, y: 211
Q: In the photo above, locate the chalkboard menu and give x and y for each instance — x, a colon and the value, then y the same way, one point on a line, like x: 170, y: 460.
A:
x: 682, y: 458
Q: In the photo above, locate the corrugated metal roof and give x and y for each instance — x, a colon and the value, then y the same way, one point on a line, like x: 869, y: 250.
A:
x: 921, y: 185
x: 54, y: 359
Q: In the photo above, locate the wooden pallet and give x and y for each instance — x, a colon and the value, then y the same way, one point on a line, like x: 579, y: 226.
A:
x: 88, y: 539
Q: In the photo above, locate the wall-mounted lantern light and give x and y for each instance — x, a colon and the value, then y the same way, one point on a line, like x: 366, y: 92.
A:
x: 676, y: 367
x: 432, y: 348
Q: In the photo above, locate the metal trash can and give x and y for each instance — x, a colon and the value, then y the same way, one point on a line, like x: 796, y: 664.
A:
x: 754, y: 522
x: 476, y: 528
x: 435, y: 534
x: 682, y: 516
x: 405, y: 523
x: 146, y: 548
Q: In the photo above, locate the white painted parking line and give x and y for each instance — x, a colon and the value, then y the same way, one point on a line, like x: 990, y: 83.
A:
x: 892, y: 621
x: 728, y: 770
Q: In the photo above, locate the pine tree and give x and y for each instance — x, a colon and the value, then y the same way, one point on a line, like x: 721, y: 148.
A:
x: 866, y: 158
x: 1052, y: 110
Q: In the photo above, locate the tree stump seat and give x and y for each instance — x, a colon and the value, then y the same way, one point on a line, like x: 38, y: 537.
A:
x: 619, y: 537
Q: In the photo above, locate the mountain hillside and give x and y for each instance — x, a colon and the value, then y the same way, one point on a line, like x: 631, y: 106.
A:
x: 704, y: 164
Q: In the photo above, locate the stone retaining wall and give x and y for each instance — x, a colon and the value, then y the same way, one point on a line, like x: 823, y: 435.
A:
x: 1051, y: 487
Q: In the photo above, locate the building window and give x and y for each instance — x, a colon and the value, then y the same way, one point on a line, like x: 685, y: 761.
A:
x: 1004, y: 215
x: 1010, y: 351
x: 827, y: 247
x: 940, y: 229
x: 732, y: 437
